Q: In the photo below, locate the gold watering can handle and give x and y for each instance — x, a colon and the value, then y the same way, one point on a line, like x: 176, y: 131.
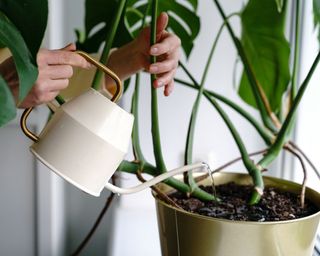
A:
x: 115, y: 98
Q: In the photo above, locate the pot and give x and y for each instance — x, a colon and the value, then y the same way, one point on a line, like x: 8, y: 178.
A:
x: 186, y: 234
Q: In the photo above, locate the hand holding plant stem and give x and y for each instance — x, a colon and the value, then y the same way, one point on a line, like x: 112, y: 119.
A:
x: 135, y: 56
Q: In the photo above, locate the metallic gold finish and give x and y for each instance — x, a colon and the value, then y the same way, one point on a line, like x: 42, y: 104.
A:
x: 115, y: 98
x: 102, y: 67
x: 23, y: 124
x: 187, y: 234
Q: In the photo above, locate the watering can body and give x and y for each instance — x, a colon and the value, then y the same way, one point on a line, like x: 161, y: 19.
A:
x: 87, y: 138
x: 85, y: 141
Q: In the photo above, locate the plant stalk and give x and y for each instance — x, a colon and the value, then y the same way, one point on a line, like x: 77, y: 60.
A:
x: 108, y: 42
x: 135, y: 131
x: 296, y: 51
x: 134, y: 110
x: 154, y: 97
x: 253, y: 170
x: 281, y: 137
x: 260, y: 100
x: 266, y: 136
x: 60, y: 100
x: 192, y: 123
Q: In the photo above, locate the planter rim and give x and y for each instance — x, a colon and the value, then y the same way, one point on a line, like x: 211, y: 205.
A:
x: 240, y: 222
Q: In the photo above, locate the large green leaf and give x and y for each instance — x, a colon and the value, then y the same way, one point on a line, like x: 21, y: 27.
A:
x: 8, y: 107
x: 267, y: 50
x: 316, y: 16
x: 99, y: 14
x: 22, y: 27
x: 186, y: 26
x: 279, y: 5
x: 30, y: 18
x: 27, y: 71
x: 98, y: 17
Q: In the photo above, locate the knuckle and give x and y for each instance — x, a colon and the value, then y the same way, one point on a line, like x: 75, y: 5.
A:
x: 68, y: 71
x: 42, y: 56
x: 83, y: 63
x: 64, y: 83
x: 61, y: 57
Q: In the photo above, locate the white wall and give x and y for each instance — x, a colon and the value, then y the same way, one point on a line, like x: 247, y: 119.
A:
x: 308, y: 136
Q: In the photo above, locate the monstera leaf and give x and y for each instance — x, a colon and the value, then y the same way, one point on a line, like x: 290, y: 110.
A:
x: 316, y: 16
x: 30, y: 18
x: 99, y: 13
x: 267, y: 51
x: 22, y: 26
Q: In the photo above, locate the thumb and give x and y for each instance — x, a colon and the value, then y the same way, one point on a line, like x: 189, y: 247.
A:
x: 162, y: 22
x: 69, y: 47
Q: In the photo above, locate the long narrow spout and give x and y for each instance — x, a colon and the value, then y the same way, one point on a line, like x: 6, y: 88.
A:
x: 156, y: 180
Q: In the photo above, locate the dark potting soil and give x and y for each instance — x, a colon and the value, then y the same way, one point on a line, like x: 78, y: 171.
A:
x: 275, y: 205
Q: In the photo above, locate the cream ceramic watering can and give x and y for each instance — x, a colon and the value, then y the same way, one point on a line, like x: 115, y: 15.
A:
x: 87, y: 138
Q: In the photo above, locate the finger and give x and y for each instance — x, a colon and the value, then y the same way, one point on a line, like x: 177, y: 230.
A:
x: 50, y: 96
x: 164, y: 66
x: 169, y: 88
x: 31, y: 100
x: 169, y: 44
x: 58, y: 85
x: 162, y: 22
x: 58, y: 71
x: 164, y: 79
x: 70, y: 47
x: 46, y: 91
x: 62, y: 57
x: 46, y: 86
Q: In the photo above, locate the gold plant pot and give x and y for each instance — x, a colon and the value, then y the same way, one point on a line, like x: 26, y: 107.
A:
x: 187, y: 234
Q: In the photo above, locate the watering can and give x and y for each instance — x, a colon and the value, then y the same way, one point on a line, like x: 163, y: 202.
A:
x: 87, y: 138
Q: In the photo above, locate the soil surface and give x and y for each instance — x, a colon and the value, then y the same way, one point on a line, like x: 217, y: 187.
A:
x: 275, y: 205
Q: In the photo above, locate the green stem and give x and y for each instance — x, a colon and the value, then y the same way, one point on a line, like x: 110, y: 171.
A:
x: 133, y: 167
x: 154, y: 98
x: 60, y: 99
x: 253, y: 170
x: 134, y: 110
x: 296, y: 52
x: 108, y: 42
x: 135, y: 132
x: 192, y: 123
x: 296, y: 56
x: 251, y: 78
x: 281, y: 137
x: 267, y: 137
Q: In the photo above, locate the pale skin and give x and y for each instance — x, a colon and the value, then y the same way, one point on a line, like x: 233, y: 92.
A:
x: 56, y: 66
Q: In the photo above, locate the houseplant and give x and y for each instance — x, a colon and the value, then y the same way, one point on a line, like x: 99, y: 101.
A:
x: 276, y: 127
x: 133, y: 167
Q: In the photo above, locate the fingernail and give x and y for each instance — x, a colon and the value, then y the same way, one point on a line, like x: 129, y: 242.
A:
x: 154, y: 50
x: 153, y: 68
x: 159, y: 83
